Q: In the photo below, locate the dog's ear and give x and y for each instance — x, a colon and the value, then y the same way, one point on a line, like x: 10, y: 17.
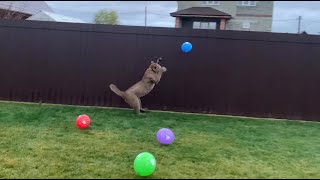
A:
x: 159, y: 60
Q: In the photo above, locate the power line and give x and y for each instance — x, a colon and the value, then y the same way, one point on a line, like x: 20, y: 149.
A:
x: 311, y: 21
x: 285, y: 20
x: 130, y: 13
x: 159, y: 14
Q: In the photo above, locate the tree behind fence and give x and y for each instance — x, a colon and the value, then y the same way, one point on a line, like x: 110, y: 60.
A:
x: 227, y: 72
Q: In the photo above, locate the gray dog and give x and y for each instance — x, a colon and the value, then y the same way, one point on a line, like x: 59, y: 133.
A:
x: 132, y: 95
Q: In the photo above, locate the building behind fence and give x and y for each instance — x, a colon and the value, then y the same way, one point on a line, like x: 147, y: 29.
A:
x: 227, y: 72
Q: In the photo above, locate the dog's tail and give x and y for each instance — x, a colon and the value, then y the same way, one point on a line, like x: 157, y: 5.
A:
x: 115, y: 89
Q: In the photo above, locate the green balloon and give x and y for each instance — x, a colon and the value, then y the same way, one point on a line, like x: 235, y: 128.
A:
x: 144, y: 164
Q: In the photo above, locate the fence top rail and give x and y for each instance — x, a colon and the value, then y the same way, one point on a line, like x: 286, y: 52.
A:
x: 161, y: 31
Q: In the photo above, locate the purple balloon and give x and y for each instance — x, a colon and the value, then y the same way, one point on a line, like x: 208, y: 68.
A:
x: 165, y: 136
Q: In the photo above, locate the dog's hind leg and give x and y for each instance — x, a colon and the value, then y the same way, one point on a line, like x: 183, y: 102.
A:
x: 133, y: 101
x: 136, y: 105
x: 142, y: 109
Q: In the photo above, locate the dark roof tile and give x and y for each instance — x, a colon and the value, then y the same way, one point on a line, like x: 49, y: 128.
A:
x: 200, y: 12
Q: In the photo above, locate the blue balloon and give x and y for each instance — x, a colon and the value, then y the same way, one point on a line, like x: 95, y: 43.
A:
x: 186, y: 47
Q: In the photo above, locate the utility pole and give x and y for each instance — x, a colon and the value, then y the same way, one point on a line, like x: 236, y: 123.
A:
x: 299, y: 24
x: 145, y: 16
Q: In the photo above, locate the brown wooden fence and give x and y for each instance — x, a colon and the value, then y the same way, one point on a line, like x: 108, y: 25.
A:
x: 227, y: 72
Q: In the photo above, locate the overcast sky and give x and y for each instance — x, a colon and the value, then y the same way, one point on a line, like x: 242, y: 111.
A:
x: 132, y: 13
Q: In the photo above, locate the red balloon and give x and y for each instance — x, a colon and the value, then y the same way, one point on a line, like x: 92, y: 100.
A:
x: 83, y: 121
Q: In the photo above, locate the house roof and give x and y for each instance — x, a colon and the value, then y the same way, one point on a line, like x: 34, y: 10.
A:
x: 49, y: 16
x: 304, y: 32
x: 200, y: 12
x: 26, y: 7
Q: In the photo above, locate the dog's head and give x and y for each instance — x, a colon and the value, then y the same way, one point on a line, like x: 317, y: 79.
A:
x: 156, y: 67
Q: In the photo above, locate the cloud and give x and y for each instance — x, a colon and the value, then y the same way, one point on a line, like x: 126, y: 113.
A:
x: 133, y: 13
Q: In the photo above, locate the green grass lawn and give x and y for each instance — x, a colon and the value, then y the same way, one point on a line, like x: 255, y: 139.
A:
x: 42, y: 141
